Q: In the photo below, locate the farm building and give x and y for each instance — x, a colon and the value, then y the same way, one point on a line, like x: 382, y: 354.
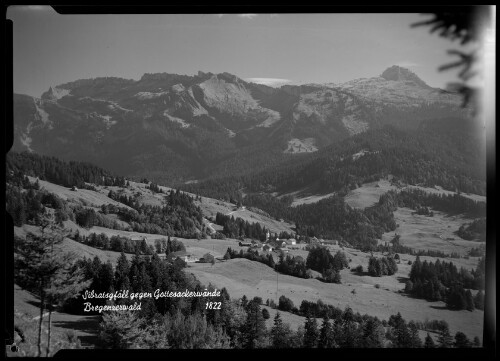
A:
x: 279, y: 243
x: 267, y: 247
x: 331, y: 242
x: 183, y: 255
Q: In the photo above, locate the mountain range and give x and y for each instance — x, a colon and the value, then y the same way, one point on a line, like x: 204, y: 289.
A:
x: 176, y: 128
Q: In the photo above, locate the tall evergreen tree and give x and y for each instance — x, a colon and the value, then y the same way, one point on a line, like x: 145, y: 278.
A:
x: 104, y: 282
x: 429, y: 342
x: 415, y: 340
x: 121, y: 330
x: 373, y: 334
x: 41, y: 266
x: 476, y: 342
x: 403, y: 336
x: 327, y: 337
x: 479, y: 300
x: 279, y: 334
x: 121, y: 272
x: 469, y: 301
x: 311, y: 332
x: 445, y: 340
x: 254, y: 330
x: 461, y: 340
x: 348, y: 334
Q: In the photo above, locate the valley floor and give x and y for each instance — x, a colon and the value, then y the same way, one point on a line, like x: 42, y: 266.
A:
x: 244, y: 277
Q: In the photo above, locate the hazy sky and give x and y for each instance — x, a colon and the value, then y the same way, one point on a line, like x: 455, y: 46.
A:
x: 51, y: 49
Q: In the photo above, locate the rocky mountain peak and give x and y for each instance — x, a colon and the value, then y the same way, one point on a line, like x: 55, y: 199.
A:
x: 397, y: 73
x: 49, y: 94
x: 54, y: 93
x: 202, y: 74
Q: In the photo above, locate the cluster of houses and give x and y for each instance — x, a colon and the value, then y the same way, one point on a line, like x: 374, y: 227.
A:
x: 270, y: 245
x: 282, y: 244
x: 189, y: 258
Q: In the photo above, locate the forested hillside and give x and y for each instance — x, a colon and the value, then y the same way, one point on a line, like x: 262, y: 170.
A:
x: 455, y: 161
x: 26, y: 202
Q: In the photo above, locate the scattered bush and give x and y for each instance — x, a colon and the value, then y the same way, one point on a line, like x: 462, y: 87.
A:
x: 265, y: 314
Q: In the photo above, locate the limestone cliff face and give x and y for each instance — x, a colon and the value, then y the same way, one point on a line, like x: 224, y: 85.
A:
x: 179, y: 120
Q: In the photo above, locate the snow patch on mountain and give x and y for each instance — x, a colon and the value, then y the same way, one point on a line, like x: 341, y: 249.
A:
x: 229, y: 132
x: 296, y: 145
x: 274, y: 117
x: 114, y: 105
x: 272, y: 82
x: 175, y: 120
x: 41, y: 114
x: 178, y: 88
x: 107, y: 121
x: 362, y: 153
x: 26, y: 139
x: 149, y: 95
x: 354, y: 125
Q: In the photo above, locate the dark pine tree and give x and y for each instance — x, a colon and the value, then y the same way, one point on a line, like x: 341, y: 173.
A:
x: 479, y: 300
x: 445, y: 340
x: 254, y: 329
x: 429, y: 342
x: 461, y: 340
x: 279, y: 337
x: 311, y: 332
x: 326, y: 338
x: 476, y: 342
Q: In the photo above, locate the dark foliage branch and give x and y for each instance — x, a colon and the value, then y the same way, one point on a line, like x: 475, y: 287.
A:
x: 466, y: 26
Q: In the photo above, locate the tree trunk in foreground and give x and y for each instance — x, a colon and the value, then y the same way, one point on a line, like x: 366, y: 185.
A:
x: 48, y: 338
x: 42, y: 300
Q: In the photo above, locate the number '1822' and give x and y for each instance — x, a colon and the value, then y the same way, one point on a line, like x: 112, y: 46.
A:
x: 213, y: 305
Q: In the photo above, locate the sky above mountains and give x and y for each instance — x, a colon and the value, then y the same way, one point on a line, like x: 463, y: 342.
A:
x: 51, y: 49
